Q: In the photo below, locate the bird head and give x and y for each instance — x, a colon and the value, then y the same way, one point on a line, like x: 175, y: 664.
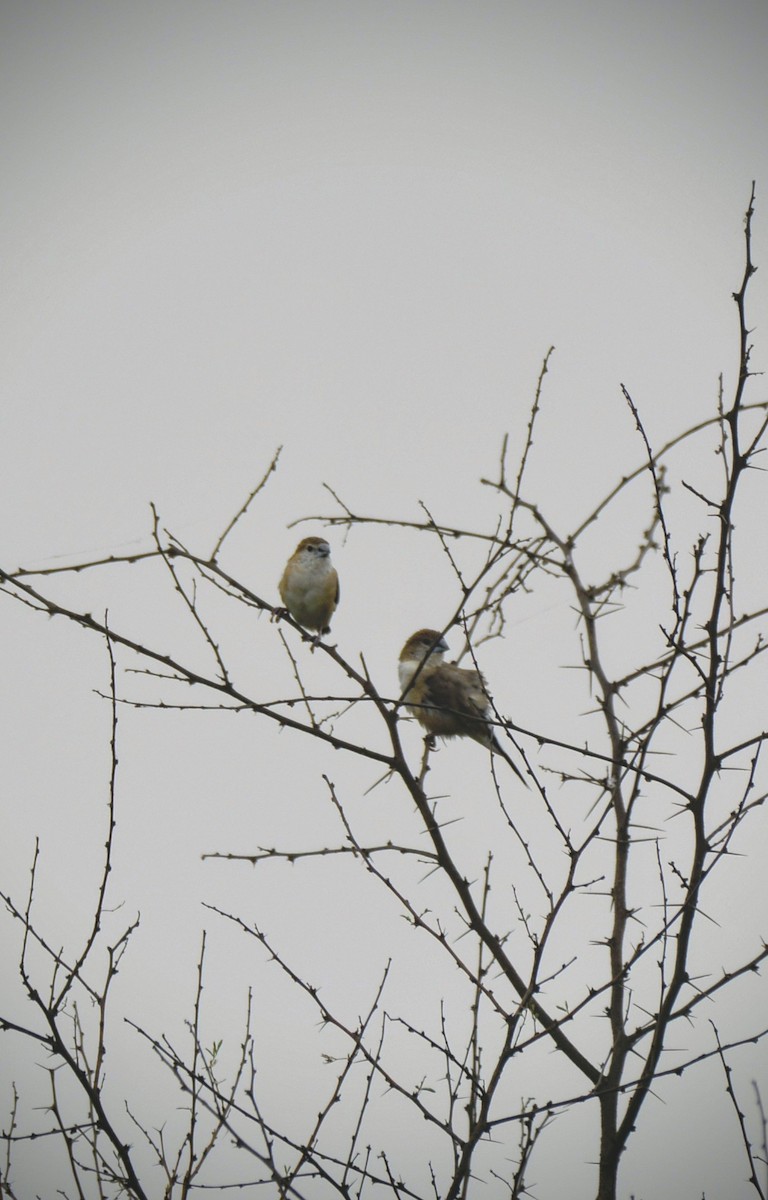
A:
x: 425, y: 643
x: 312, y: 548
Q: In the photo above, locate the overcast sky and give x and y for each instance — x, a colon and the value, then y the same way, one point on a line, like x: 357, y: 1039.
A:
x: 353, y: 230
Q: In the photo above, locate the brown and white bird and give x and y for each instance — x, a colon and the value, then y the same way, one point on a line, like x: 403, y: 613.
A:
x: 449, y: 701
x: 309, y: 587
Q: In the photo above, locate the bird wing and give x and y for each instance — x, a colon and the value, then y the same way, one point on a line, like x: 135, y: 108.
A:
x: 461, y: 692
x: 461, y: 707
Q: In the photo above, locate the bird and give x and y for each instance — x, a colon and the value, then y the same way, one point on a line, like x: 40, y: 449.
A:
x: 309, y: 586
x: 449, y: 701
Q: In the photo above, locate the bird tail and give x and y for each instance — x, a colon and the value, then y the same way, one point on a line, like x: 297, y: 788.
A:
x: 499, y: 749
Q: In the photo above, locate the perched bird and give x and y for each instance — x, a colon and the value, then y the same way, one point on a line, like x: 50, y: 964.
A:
x: 309, y: 587
x: 449, y: 701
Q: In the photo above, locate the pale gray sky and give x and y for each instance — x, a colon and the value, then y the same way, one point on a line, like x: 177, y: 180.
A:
x: 352, y: 229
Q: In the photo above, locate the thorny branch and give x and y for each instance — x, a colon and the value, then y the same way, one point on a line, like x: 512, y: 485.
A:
x: 605, y: 805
